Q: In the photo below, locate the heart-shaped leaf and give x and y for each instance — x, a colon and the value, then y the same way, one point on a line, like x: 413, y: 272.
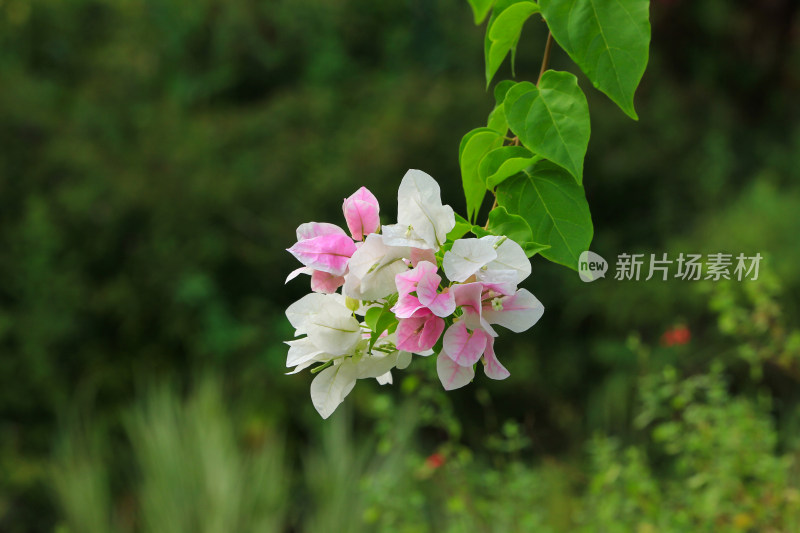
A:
x: 501, y: 89
x: 608, y: 39
x: 555, y: 208
x: 497, y: 120
x: 552, y: 120
x: 475, y: 146
x: 503, y: 31
x: 513, y: 93
x: 502, y: 163
x: 461, y: 228
x: 480, y: 8
x: 501, y: 222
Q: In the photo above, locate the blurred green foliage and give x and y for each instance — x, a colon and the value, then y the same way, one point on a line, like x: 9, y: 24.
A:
x: 158, y: 154
x: 193, y: 475
x: 706, y: 462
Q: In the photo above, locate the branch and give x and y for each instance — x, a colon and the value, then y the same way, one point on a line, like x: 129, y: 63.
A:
x: 546, y: 58
x: 545, y: 61
x: 486, y: 226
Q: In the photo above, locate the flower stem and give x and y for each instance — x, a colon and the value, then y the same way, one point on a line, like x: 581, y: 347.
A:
x: 320, y: 368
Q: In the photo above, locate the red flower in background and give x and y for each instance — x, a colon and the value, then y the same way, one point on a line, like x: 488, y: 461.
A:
x: 677, y: 335
x: 435, y: 460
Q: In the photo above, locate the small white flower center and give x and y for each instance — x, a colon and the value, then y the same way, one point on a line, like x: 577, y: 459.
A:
x: 497, y: 304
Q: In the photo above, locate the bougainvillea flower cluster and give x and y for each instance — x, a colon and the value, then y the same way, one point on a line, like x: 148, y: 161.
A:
x: 382, y: 294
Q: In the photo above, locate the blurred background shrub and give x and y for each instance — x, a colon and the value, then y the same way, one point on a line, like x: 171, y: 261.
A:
x: 156, y: 158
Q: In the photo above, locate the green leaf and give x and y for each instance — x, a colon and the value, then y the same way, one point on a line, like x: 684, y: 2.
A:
x: 480, y: 232
x: 533, y: 248
x: 469, y: 136
x: 379, y: 319
x: 443, y: 249
x: 502, y: 163
x: 554, y: 206
x: 513, y: 93
x: 478, y: 145
x: 608, y: 39
x: 371, y: 317
x: 480, y: 8
x: 497, y: 120
x: 461, y: 228
x: 501, y: 89
x: 552, y: 120
x: 503, y: 31
x: 501, y: 222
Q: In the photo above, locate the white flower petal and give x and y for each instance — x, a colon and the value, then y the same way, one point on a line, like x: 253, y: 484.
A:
x: 373, y: 268
x: 331, y: 386
x: 403, y: 360
x: 309, y: 230
x: 300, y: 368
x: 451, y: 374
x: 485, y: 326
x: 503, y: 281
x: 338, y: 299
x: 299, y: 312
x: 419, y: 205
x: 372, y: 366
x: 330, y: 325
x: 493, y: 368
x: 510, y: 256
x: 301, y: 351
x: 380, y: 282
x: 352, y: 286
x: 296, y: 272
x: 402, y: 235
x: 385, y: 379
x: 466, y: 257
x: 334, y: 333
x: 520, y: 312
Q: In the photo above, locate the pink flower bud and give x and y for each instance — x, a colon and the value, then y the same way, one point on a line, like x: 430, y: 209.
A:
x: 361, y: 213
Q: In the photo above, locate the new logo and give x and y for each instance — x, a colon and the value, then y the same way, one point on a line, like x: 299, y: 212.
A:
x: 591, y: 266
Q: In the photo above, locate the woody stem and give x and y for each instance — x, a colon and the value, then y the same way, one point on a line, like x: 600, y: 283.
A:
x: 546, y: 58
